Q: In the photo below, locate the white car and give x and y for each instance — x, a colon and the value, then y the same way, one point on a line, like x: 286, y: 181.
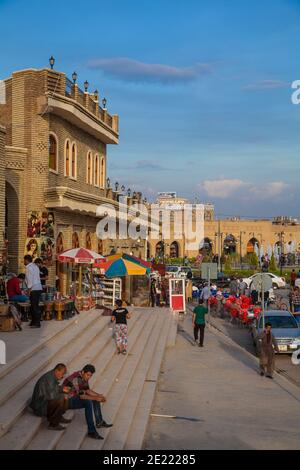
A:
x: 278, y: 282
x: 177, y: 271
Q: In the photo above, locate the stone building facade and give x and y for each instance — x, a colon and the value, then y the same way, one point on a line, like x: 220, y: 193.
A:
x: 225, y: 236
x: 55, y: 167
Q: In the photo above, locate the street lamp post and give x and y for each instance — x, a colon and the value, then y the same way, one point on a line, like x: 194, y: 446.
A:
x: 281, y: 238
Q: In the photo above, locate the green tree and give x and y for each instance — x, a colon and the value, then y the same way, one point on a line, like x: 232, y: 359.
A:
x: 253, y: 260
x: 272, y: 267
x: 228, y: 264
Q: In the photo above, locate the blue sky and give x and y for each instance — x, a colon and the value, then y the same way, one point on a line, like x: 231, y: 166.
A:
x: 203, y: 90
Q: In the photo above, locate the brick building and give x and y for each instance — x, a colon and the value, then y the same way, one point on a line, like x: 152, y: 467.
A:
x: 55, y: 167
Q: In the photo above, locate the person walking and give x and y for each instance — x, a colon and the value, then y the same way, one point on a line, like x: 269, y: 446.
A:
x: 199, y: 322
x: 153, y: 293
x: 293, y: 278
x: 233, y: 286
x: 242, y: 287
x: 267, y: 347
x: 205, y: 295
x: 120, y: 316
x: 35, y: 290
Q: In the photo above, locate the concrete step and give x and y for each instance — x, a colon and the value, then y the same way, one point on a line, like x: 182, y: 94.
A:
x: 118, y: 434
x: 69, y: 348
x: 76, y: 432
x: 140, y: 419
x: 18, y: 435
x: 30, y: 367
x: 119, y: 388
x: 46, y: 334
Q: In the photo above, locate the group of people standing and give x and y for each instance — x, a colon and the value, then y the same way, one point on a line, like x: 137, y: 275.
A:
x: 28, y: 287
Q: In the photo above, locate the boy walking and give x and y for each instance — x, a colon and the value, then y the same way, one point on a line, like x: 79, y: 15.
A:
x: 199, y: 322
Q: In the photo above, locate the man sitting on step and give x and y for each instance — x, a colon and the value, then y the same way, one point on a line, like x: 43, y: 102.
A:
x: 78, y: 384
x: 49, y: 398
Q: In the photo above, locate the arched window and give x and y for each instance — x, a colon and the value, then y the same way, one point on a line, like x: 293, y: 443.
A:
x: 96, y: 171
x: 230, y: 245
x: 74, y: 161
x: 206, y: 246
x: 53, y: 153
x: 89, y: 168
x: 67, y: 158
x: 59, y: 243
x: 253, y: 246
x: 174, y: 250
x: 75, y: 240
x: 88, y: 241
x: 102, y: 172
x: 159, y: 250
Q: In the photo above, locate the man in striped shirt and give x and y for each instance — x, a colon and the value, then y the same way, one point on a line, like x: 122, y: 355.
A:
x: 78, y: 382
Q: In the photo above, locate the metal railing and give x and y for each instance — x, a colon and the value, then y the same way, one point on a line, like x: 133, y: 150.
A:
x: 69, y: 88
x: 58, y: 83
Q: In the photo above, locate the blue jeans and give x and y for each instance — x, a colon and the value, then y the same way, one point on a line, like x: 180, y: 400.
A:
x: 97, y: 411
x: 76, y: 403
x: 19, y: 298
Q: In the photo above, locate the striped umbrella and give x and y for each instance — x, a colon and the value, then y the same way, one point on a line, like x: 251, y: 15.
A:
x: 80, y: 256
x: 126, y: 265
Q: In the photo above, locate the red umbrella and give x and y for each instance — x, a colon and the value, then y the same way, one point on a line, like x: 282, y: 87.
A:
x: 80, y: 256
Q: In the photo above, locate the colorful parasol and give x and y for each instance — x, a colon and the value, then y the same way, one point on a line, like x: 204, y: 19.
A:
x: 80, y: 256
x: 125, y: 265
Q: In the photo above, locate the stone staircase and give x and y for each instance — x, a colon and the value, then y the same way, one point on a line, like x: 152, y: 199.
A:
x: 129, y: 382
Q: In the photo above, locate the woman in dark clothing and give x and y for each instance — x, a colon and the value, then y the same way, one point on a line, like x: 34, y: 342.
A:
x: 120, y: 316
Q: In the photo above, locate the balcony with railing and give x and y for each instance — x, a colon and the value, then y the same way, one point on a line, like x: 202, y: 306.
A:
x: 58, y: 86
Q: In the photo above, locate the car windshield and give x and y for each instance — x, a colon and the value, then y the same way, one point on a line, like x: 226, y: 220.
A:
x: 172, y: 269
x: 279, y: 322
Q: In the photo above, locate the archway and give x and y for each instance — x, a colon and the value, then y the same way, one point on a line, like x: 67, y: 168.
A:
x: 174, y: 250
x: 251, y: 246
x: 230, y: 245
x: 206, y: 246
x: 88, y: 241
x: 159, y: 250
x: 75, y: 240
x: 12, y: 234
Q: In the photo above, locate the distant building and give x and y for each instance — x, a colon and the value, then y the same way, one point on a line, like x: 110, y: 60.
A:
x: 285, y: 220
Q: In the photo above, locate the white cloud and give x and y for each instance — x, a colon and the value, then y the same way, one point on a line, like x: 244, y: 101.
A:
x: 269, y: 190
x: 225, y: 188
x: 266, y: 85
x: 222, y: 188
x: 133, y: 70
